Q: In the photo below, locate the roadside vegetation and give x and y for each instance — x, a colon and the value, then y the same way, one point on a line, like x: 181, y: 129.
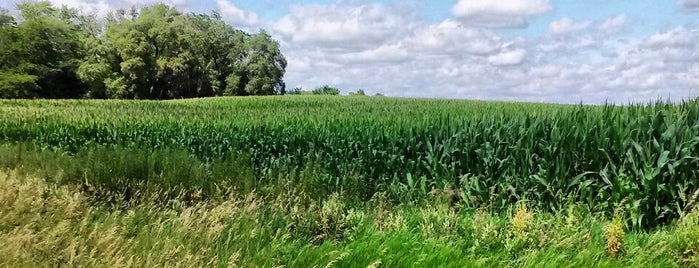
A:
x: 45, y: 225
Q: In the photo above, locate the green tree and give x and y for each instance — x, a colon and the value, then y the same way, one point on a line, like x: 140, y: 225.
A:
x: 326, y: 90
x: 160, y: 53
x: 360, y: 92
x: 6, y: 19
x: 40, y: 54
x: 217, y: 45
x: 259, y: 69
x: 142, y: 55
x: 155, y: 52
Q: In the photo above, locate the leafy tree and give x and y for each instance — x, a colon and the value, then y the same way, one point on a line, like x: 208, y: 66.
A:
x: 6, y: 19
x: 17, y: 85
x: 360, y: 92
x: 326, y: 90
x: 259, y: 68
x: 218, y: 45
x: 40, y: 54
x: 155, y: 52
x: 160, y: 53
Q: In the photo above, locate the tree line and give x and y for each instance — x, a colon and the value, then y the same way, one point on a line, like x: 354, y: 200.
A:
x: 155, y: 52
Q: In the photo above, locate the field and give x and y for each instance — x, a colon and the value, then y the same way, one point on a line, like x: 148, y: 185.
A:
x: 309, y: 181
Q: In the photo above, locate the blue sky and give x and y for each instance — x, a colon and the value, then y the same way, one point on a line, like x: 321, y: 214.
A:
x: 563, y: 51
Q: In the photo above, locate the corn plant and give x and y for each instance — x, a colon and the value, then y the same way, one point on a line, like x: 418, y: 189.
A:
x: 642, y: 157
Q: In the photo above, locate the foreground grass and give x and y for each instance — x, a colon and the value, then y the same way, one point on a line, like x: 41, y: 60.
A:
x: 45, y: 224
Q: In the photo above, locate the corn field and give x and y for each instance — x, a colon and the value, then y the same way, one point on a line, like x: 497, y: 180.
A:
x: 642, y: 160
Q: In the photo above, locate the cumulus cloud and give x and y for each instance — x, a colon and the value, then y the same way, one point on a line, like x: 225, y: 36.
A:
x: 677, y: 45
x: 599, y: 28
x: 512, y: 57
x: 236, y: 16
x: 401, y: 55
x: 660, y: 65
x: 451, y: 37
x: 342, y: 26
x: 676, y: 38
x: 567, y: 25
x: 388, y: 49
x: 503, y: 13
x: 613, y: 25
x: 99, y: 8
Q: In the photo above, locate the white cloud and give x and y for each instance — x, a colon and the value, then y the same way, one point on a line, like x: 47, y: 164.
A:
x: 401, y: 55
x: 677, y: 45
x: 599, y: 29
x: 661, y: 65
x: 236, y: 16
x: 567, y: 25
x: 512, y: 57
x: 547, y: 70
x: 388, y: 49
x: 502, y: 13
x: 503, y: 7
x: 389, y: 53
x: 98, y: 8
x: 451, y: 37
x: 676, y: 38
x: 101, y: 8
x: 613, y: 25
x: 342, y: 26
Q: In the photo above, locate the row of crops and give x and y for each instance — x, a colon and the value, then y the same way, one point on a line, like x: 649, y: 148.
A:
x: 642, y: 159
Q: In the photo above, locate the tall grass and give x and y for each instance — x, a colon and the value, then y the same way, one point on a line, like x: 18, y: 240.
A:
x: 639, y: 159
x: 43, y: 224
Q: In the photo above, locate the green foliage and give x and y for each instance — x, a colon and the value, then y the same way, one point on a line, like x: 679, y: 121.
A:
x: 6, y: 19
x: 299, y: 91
x: 41, y: 53
x: 131, y: 175
x: 44, y: 224
x: 641, y: 160
x: 261, y: 65
x: 159, y: 53
x: 154, y: 52
x: 359, y: 92
x: 13, y: 85
x: 326, y: 90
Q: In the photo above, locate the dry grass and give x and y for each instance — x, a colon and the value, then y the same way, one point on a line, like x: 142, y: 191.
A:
x: 46, y: 225
x: 614, y: 234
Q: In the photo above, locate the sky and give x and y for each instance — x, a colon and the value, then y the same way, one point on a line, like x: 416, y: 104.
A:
x: 562, y: 51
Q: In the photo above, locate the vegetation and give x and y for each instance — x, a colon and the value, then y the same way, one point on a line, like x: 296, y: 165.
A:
x: 359, y: 92
x: 42, y: 224
x: 156, y: 52
x: 352, y: 181
x: 323, y: 90
x: 326, y: 90
x: 312, y: 180
x: 640, y: 161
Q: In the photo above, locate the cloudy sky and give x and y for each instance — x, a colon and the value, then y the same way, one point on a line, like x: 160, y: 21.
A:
x: 564, y: 51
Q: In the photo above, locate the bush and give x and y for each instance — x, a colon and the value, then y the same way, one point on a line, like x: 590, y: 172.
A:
x: 326, y: 90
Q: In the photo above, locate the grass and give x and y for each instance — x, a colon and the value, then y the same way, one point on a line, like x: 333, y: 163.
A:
x: 43, y: 224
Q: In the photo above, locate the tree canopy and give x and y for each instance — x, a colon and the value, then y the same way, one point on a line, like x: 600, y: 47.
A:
x: 155, y: 52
